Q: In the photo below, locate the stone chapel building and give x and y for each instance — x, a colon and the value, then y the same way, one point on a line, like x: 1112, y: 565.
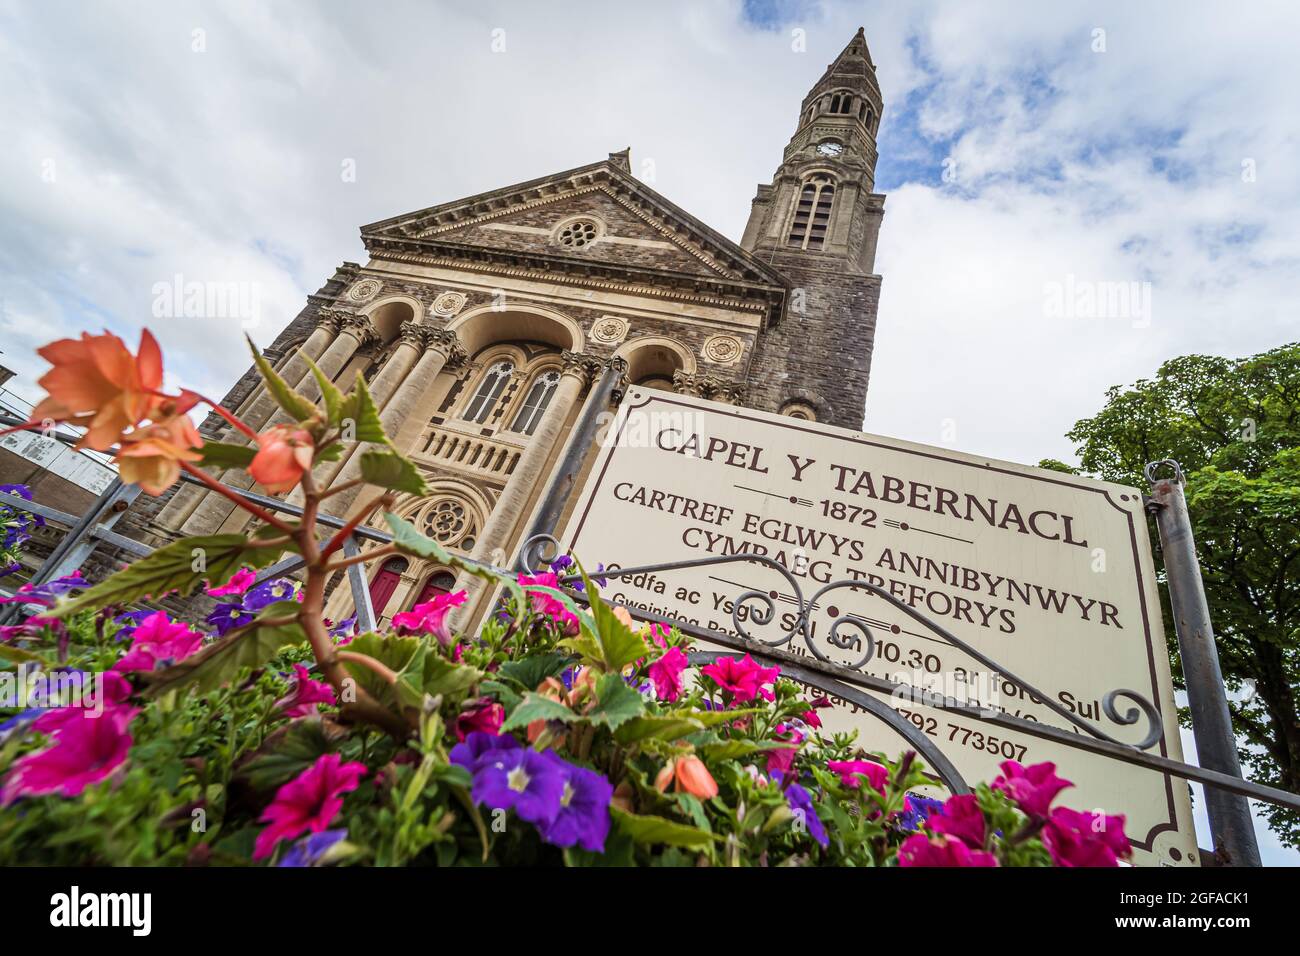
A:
x: 481, y: 325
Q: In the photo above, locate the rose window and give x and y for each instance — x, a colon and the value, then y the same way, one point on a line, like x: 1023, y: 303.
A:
x: 578, y: 234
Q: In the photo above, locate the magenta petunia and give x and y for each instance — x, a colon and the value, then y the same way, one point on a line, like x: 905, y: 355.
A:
x: 742, y: 678
x: 100, y: 692
x: 960, y: 817
x: 1032, y: 788
x: 430, y: 617
x: 159, y: 642
x: 920, y: 850
x: 239, y: 582
x: 666, y: 675
x: 546, y: 605
x: 310, y: 801
x: 305, y: 695
x: 1077, y: 839
x: 481, y: 714
x: 84, y: 752
x: 851, y: 771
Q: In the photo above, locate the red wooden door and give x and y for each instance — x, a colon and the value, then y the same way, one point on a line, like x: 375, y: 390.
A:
x: 440, y: 582
x: 383, y: 584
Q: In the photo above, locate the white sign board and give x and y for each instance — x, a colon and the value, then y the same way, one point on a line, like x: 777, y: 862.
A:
x: 1047, y: 574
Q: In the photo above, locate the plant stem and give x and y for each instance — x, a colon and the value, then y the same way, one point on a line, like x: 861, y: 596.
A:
x: 255, y: 510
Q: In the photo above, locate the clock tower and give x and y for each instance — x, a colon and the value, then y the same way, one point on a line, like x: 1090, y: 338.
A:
x: 817, y: 224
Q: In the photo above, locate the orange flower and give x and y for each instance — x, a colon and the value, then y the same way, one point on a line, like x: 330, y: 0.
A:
x: 150, y: 456
x: 285, y: 452
x: 689, y: 775
x: 96, y: 382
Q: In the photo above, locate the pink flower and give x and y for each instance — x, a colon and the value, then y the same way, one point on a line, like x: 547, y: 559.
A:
x: 305, y: 695
x: 659, y: 634
x: 284, y: 453
x: 430, y: 617
x: 481, y: 714
x: 84, y: 753
x: 1085, y: 839
x: 310, y: 801
x: 1032, y: 788
x: 95, y: 702
x: 920, y: 850
x: 159, y: 641
x: 960, y: 817
x: 239, y: 582
x: 742, y: 678
x: 548, y: 606
x: 850, y: 771
x: 781, y: 760
x: 666, y: 674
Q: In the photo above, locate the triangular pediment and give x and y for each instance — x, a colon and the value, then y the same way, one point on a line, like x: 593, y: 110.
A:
x: 635, y: 228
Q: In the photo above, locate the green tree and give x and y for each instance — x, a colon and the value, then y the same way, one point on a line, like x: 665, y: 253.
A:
x: 1234, y: 426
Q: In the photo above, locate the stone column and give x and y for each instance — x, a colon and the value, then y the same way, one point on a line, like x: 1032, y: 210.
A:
x: 187, y: 497
x: 214, y: 509
x: 381, y: 389
x: 442, y: 349
x: 509, y: 510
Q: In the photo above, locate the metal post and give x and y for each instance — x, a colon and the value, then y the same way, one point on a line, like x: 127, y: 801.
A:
x: 1231, y: 826
x: 360, y: 588
x: 564, y: 476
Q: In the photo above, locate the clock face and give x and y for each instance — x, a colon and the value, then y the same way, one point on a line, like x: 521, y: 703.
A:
x: 830, y: 148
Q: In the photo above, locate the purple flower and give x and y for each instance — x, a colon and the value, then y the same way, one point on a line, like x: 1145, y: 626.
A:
x: 129, y: 621
x: 478, y: 745
x: 521, y: 780
x: 46, y: 593
x: 344, y: 629
x: 801, y: 805
x: 916, y: 810
x: 268, y: 592
x: 310, y: 849
x: 583, y: 816
x: 227, y: 617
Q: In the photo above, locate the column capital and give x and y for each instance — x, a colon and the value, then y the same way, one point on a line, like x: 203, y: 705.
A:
x: 447, y: 343
x: 704, y: 386
x: 331, y: 319
x: 413, y: 334
x: 362, y: 329
x: 579, y: 365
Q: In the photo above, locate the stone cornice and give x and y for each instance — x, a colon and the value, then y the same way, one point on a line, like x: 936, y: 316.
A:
x: 563, y: 270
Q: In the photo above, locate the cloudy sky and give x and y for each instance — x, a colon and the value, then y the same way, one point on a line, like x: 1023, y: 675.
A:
x: 1032, y: 153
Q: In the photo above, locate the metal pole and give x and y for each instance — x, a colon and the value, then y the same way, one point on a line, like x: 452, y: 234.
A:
x: 584, y: 433
x: 1231, y: 825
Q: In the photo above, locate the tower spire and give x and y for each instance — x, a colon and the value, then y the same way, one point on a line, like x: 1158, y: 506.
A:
x: 817, y: 224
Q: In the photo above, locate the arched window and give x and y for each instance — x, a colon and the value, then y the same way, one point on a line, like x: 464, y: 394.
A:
x: 383, y: 584
x: 538, y: 397
x: 440, y: 582
x: 812, y: 213
x: 489, y: 392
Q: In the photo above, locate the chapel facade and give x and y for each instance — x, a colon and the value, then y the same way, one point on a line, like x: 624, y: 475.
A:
x: 481, y: 325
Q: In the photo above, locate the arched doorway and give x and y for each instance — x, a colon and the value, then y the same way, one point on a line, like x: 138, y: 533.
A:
x: 384, y: 583
x: 439, y: 582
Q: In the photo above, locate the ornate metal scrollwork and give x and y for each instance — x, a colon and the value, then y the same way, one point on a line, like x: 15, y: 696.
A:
x: 761, y: 608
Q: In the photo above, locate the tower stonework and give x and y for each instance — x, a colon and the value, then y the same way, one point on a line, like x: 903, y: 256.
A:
x: 817, y: 224
x: 481, y: 325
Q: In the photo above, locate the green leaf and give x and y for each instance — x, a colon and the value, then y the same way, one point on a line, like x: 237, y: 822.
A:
x: 537, y: 707
x: 659, y: 726
x: 618, y: 703
x: 734, y: 749
x: 409, y: 541
x: 171, y: 568
x: 249, y: 646
x: 388, y: 469
x: 420, y: 671
x: 619, y: 645
x: 653, y: 830
x: 220, y: 454
x: 287, y: 754
x: 359, y: 409
x: 294, y: 404
x: 531, y: 671
x: 330, y: 394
